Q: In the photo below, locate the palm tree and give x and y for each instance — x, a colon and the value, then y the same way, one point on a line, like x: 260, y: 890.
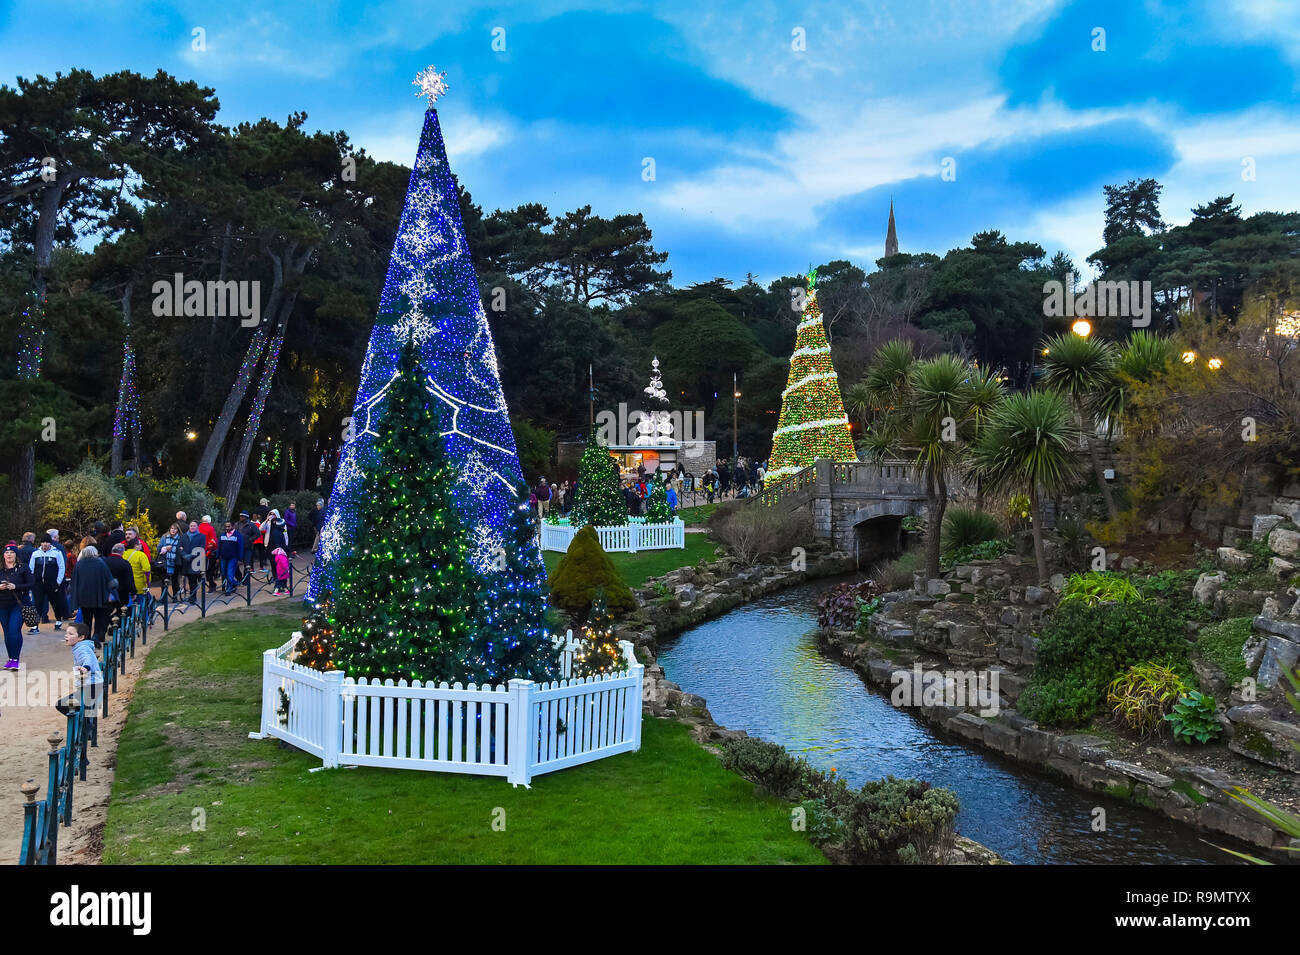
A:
x: 986, y: 392
x: 1083, y: 369
x: 1029, y: 446
x: 940, y: 406
x: 1143, y: 358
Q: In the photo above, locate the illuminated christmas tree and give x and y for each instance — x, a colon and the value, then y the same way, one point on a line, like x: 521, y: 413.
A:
x: 431, y: 295
x: 657, y: 510
x: 316, y: 647
x: 598, y: 498
x: 405, y: 594
x: 511, y: 607
x: 813, y: 423
x: 600, y: 652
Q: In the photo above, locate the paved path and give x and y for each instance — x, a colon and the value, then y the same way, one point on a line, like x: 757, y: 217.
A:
x: 24, y: 730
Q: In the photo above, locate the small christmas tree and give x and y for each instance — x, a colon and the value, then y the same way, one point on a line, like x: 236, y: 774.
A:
x: 600, y: 652
x: 406, y: 589
x: 812, y: 424
x: 657, y: 510
x: 512, y: 606
x: 598, y: 498
x: 586, y: 569
x: 317, y: 646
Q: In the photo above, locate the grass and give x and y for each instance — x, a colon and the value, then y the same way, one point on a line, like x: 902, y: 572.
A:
x: 636, y: 568
x: 1221, y: 644
x: 192, y: 788
x: 692, y: 516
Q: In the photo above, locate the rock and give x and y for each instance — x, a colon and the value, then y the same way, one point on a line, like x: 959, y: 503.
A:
x: 1280, y: 654
x: 1229, y: 558
x: 1211, y: 678
x: 1281, y: 569
x: 1268, y: 741
x: 1148, y: 777
x: 1009, y: 617
x: 1248, y: 713
x: 1208, y: 585
x: 1277, y: 628
x: 1080, y: 746
x: 1035, y: 595
x: 1284, y: 542
x: 1235, y: 536
x: 1288, y: 507
x: 1129, y: 563
x: 1271, y: 607
x: 1264, y: 524
x: 1057, y: 582
x: 685, y: 594
x: 1291, y: 490
x: 937, y: 588
x: 967, y: 725
x: 1253, y: 651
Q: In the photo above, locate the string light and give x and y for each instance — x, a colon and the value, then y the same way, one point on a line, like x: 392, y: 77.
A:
x: 812, y: 424
x: 31, y: 338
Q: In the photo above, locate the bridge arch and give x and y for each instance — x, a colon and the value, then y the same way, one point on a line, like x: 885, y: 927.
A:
x: 877, y: 528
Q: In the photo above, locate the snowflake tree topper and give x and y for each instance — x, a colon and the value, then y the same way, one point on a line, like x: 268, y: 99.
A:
x: 432, y: 84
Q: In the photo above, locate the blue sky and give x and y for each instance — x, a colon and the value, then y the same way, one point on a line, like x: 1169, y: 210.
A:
x: 779, y: 132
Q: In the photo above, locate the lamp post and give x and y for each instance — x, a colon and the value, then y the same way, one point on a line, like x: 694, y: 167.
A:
x: 735, y: 416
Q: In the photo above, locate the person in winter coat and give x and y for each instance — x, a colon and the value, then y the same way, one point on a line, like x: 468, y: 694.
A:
x: 543, y: 493
x: 273, y: 533
x: 26, y: 549
x: 195, y: 558
x: 209, y: 549
x: 230, y: 551
x: 124, y: 574
x: 133, y: 534
x: 141, y: 568
x: 92, y: 584
x: 281, y: 560
x: 259, y: 550
x: 15, y: 591
x: 291, y: 528
x: 171, y: 550
x: 317, y: 521
x: 48, y: 570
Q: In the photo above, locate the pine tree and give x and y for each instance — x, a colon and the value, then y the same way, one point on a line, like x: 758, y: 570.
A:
x: 812, y: 424
x: 598, y: 498
x: 512, y: 606
x: 406, y: 590
x: 600, y: 652
x: 657, y: 510
x: 317, y: 646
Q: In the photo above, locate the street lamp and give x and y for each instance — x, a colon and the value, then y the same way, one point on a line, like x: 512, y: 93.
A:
x: 191, y: 435
x: 735, y: 415
x: 1215, y: 364
x: 1189, y: 357
x: 1082, y: 328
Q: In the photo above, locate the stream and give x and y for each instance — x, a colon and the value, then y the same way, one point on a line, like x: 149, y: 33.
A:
x: 759, y: 670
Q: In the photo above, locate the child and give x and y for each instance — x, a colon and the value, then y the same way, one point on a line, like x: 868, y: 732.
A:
x: 87, y: 664
x: 281, y: 560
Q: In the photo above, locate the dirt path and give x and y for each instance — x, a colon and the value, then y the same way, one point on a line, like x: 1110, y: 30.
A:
x: 26, y: 722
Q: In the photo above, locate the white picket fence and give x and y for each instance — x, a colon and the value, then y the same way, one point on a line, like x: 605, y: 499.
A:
x: 517, y: 731
x: 629, y: 537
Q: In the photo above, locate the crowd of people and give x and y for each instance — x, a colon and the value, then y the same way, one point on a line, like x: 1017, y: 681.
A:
x: 96, y: 579
x: 737, y: 479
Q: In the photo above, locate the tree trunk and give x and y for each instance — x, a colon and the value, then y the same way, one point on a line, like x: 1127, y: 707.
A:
x: 936, y: 504
x: 235, y: 474
x: 1036, y: 516
x: 1090, y: 436
x: 217, y: 439
x: 304, y: 453
x: 284, y: 465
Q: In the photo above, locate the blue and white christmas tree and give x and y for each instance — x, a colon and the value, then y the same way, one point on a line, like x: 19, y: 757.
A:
x: 431, y: 296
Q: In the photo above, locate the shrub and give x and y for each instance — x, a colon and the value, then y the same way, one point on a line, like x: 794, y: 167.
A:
x: 1221, y: 644
x: 1143, y: 697
x: 892, y: 821
x: 770, y: 768
x: 754, y: 531
x: 866, y: 610
x: 1084, y: 648
x: 1097, y: 587
x: 73, y: 502
x: 823, y: 826
x: 966, y: 527
x: 897, y: 574
x: 986, y: 550
x: 1195, y: 718
x: 305, y: 500
x: 838, y: 607
x: 194, y: 499
x: 584, y: 569
x: 141, y: 521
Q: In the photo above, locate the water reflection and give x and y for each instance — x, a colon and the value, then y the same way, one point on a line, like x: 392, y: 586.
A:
x: 759, y: 669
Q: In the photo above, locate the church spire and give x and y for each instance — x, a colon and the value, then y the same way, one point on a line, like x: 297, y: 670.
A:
x: 891, y: 237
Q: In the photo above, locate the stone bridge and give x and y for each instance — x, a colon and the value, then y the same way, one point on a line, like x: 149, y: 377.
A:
x: 859, y: 508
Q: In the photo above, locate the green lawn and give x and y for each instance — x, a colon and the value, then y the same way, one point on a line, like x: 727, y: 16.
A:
x: 185, y: 748
x: 691, y: 516
x: 635, y: 568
